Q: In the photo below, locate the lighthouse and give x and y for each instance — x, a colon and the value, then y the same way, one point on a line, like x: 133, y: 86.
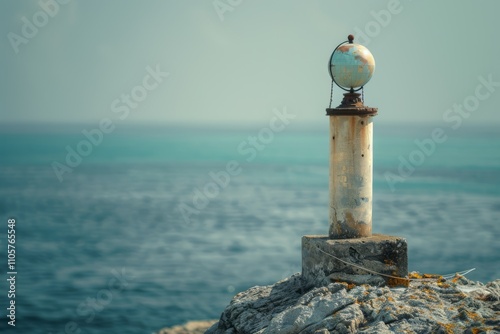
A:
x: 350, y: 252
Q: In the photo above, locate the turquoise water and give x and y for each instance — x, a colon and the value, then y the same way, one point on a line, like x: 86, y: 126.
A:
x: 118, y: 212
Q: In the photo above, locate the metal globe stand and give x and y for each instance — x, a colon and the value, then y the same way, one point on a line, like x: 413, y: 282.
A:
x: 350, y: 40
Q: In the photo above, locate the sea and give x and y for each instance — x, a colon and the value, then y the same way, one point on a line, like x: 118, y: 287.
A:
x: 151, y: 226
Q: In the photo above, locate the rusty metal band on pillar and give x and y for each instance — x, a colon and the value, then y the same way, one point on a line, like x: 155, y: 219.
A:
x: 351, y: 105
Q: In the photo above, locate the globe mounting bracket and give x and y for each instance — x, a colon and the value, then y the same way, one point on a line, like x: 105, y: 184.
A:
x: 350, y: 40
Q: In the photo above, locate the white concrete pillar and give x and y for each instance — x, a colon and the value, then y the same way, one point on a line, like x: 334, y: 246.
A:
x: 351, y: 169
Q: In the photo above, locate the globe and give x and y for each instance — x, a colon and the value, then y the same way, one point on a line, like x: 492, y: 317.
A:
x: 352, y: 65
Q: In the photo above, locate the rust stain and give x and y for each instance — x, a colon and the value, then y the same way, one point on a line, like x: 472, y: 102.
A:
x: 474, y: 316
x: 393, y: 281
x: 364, y: 134
x: 354, y: 228
x: 347, y: 285
x: 477, y: 330
x: 349, y: 219
x: 389, y: 262
x: 352, y: 127
x: 363, y: 129
x: 449, y: 328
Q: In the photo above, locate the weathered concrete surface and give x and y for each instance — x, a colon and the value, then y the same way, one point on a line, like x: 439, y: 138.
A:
x: 380, y: 253
x: 192, y: 327
x: 351, y: 150
x: 455, y: 306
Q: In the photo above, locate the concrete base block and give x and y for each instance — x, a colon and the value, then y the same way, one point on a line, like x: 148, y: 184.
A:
x: 379, y: 253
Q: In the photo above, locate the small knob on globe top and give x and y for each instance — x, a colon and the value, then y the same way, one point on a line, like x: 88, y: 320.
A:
x: 350, y: 38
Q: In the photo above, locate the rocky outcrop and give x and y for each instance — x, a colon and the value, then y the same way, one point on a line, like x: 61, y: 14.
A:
x: 426, y: 306
x: 192, y: 327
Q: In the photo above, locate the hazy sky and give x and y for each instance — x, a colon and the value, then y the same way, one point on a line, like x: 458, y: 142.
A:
x: 233, y: 61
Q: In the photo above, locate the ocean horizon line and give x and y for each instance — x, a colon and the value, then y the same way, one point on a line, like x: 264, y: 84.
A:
x: 13, y: 127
